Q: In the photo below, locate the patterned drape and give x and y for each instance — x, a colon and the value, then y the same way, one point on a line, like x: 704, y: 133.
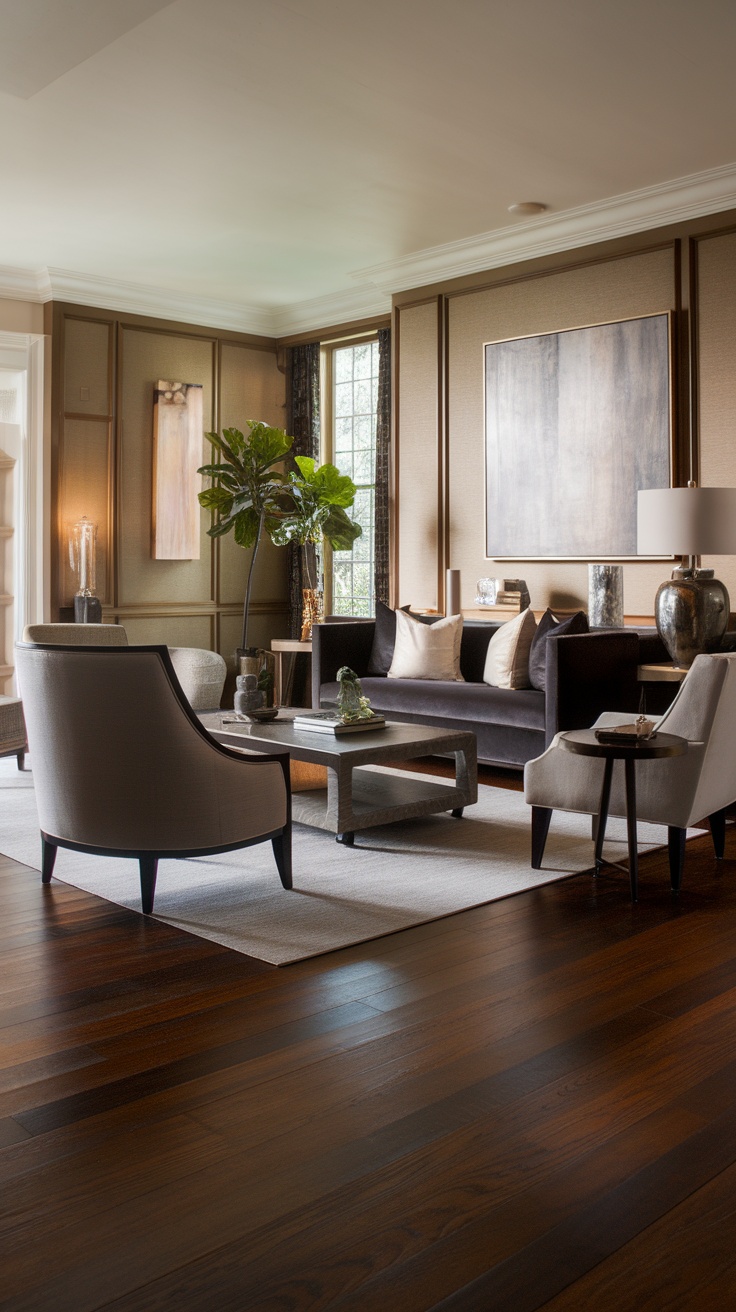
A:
x: 383, y: 450
x: 303, y: 425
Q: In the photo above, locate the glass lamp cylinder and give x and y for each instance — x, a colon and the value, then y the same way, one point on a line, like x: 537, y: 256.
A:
x: 83, y: 556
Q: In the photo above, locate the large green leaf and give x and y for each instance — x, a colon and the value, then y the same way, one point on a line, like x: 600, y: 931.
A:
x: 215, y: 498
x: 340, y: 530
x: 236, y: 440
x: 268, y: 444
x: 323, y: 485
x: 334, y: 488
x: 220, y: 528
x: 247, y: 524
x: 226, y: 450
x: 305, y: 465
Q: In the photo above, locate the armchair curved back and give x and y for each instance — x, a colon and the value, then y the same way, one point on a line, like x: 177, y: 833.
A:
x: 77, y: 635
x: 121, y: 763
x: 704, y: 711
x: 200, y: 672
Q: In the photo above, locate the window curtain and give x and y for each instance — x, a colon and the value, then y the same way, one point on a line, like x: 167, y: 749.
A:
x: 383, y: 453
x: 303, y: 425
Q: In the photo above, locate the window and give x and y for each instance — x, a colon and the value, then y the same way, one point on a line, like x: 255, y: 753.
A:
x: 351, y: 387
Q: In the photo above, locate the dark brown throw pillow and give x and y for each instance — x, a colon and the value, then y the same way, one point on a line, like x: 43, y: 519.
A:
x: 384, y: 639
x: 549, y: 624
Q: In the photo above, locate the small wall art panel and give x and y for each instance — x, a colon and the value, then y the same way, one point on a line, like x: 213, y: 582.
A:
x: 177, y: 455
x: 576, y: 423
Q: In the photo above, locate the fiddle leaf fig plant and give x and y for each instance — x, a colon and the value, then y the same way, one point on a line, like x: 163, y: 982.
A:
x: 246, y: 488
x: 314, y: 500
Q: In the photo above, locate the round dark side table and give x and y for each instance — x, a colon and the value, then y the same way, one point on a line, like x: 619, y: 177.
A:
x: 583, y: 742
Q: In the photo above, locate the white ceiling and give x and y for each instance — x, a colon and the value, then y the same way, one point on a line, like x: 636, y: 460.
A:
x: 280, y: 163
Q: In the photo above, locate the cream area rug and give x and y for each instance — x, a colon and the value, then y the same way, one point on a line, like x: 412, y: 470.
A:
x: 396, y: 876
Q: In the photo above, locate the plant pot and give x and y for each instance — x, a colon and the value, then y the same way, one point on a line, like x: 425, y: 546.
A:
x: 312, y: 611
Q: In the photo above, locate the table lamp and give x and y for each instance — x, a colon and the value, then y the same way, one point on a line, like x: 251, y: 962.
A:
x: 692, y: 609
x: 83, y: 561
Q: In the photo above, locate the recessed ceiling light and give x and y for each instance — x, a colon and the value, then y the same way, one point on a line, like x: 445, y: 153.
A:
x: 527, y: 207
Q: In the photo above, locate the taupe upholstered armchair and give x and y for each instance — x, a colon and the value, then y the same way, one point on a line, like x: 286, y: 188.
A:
x: 200, y: 672
x: 678, y: 792
x: 123, y: 767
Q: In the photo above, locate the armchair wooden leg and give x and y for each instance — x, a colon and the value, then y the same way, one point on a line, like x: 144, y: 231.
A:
x: 48, y: 857
x: 149, y: 869
x: 541, y: 816
x: 282, y: 852
x: 21, y: 759
x: 717, y: 823
x: 676, y: 848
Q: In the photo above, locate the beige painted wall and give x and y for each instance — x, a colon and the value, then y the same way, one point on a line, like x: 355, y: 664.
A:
x: 618, y: 289
x: 20, y: 317
x: 418, y: 462
x: 717, y: 349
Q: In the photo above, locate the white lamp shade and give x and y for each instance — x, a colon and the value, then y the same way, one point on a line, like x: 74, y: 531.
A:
x: 686, y: 521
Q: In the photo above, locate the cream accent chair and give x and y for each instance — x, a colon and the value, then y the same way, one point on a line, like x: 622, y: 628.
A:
x: 201, y: 673
x: 123, y: 767
x: 676, y: 792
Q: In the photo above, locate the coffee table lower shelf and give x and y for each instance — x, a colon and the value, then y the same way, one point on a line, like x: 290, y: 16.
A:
x: 376, y: 799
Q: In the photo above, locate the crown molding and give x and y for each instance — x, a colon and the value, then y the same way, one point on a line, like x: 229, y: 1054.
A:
x: 336, y: 308
x: 636, y: 211
x: 50, y: 284
x: 132, y: 298
x: 22, y: 284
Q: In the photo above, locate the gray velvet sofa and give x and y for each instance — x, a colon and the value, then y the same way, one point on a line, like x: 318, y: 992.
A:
x: 586, y: 674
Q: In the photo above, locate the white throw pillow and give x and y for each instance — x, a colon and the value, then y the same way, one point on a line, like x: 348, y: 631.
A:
x: 427, y: 651
x: 507, y: 662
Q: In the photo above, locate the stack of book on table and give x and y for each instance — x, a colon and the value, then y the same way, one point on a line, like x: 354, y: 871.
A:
x: 330, y: 722
x: 513, y: 593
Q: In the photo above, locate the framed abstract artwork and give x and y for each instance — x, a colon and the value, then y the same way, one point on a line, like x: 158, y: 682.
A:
x: 576, y: 423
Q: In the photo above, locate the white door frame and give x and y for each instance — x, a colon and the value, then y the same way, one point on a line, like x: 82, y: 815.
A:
x: 24, y: 352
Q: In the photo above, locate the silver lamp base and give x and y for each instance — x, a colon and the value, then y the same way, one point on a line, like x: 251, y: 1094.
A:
x: 691, y: 611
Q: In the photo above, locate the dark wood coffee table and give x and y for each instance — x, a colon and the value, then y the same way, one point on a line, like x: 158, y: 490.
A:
x: 583, y: 742
x: 358, y: 797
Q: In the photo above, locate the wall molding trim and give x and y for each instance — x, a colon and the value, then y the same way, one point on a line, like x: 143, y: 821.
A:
x: 676, y: 201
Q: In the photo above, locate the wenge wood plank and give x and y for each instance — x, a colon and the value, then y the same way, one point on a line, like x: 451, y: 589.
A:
x: 686, y: 1259
x: 302, y: 1261
x: 89, y: 1103
x: 574, y: 1247
x: 344, y: 1162
x: 492, y: 1085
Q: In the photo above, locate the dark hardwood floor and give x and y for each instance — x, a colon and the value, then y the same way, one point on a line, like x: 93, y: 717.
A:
x: 528, y: 1105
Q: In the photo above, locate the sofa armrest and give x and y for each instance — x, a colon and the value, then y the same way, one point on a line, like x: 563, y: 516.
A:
x: 588, y: 673
x: 334, y: 645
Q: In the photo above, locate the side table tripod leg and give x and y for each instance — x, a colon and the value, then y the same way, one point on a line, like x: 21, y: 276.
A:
x: 600, y: 832
x: 630, y: 767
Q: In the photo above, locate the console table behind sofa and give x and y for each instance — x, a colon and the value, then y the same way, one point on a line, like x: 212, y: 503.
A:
x: 586, y: 675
